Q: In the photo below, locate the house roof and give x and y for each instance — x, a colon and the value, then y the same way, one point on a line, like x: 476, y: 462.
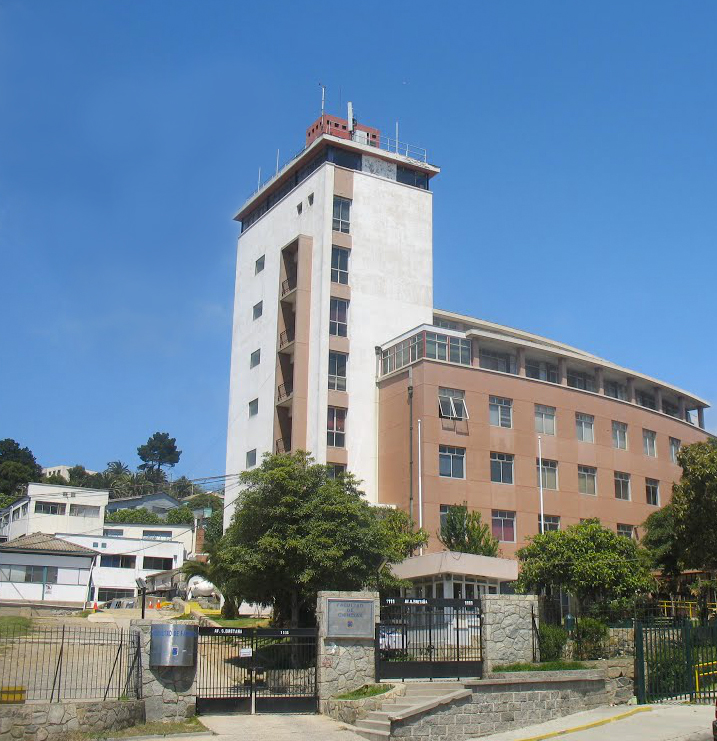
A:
x: 43, y: 543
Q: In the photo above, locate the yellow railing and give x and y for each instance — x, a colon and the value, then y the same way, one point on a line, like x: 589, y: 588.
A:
x: 689, y: 608
x: 700, y: 672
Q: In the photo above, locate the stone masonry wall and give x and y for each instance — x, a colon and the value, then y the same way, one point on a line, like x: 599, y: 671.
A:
x: 506, y: 703
x: 44, y: 721
x: 507, y: 628
x: 619, y: 678
x: 343, y: 665
x: 349, y: 711
x: 169, y: 692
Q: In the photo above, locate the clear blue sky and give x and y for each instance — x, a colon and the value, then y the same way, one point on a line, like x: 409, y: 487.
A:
x: 578, y: 147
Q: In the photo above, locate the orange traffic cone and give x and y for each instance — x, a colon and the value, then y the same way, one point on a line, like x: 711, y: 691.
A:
x: 94, y: 607
x: 159, y: 604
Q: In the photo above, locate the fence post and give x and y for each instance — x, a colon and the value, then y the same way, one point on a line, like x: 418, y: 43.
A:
x: 640, y: 664
x: 57, y: 680
x: 689, y: 660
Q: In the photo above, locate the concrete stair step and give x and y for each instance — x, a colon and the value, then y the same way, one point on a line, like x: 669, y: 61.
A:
x: 371, y: 735
x: 373, y: 725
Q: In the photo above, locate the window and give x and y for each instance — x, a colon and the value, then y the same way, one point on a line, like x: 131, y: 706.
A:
x: 48, y: 508
x: 336, y: 427
x: 338, y: 317
x: 84, y: 510
x: 253, y: 407
x: 443, y: 515
x: 503, y: 525
x: 670, y: 409
x: 113, y: 561
x: 587, y: 480
x: 674, y: 449
x: 616, y: 390
x: 251, y: 458
x: 580, y: 380
x: 584, y: 424
x: 255, y: 358
x: 627, y: 531
x: 544, y: 419
x: 447, y: 347
x: 40, y: 574
x: 499, y: 361
x: 402, y: 353
x: 619, y: 435
x: 105, y: 594
x: 451, y: 462
x: 335, y: 470
x: 299, y: 208
x: 24, y: 510
x: 652, y: 492
x: 649, y: 443
x: 501, y: 411
x: 118, y: 532
x: 549, y: 473
x: 257, y: 310
x: 411, y: 177
x: 342, y: 214
x: 337, y: 371
x: 645, y: 400
x: 550, y: 523
x: 452, y: 404
x: 622, y: 485
x: 259, y: 265
x: 157, y: 534
x: 16, y: 513
x: 311, y: 199
x: 339, y: 265
x: 541, y: 371
x: 157, y: 564
x: 501, y: 468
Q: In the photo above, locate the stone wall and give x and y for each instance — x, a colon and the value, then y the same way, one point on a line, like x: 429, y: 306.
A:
x: 349, y: 711
x: 41, y: 721
x: 169, y: 692
x: 619, y: 678
x: 507, y: 628
x: 343, y: 664
x: 503, y: 703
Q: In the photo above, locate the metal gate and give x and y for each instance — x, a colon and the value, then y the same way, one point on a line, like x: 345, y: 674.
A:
x: 254, y: 670
x: 676, y: 662
x: 429, y: 638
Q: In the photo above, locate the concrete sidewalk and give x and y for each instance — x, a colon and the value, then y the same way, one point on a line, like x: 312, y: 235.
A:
x: 276, y: 727
x: 653, y: 722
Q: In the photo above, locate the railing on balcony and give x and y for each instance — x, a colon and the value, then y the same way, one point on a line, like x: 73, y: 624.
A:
x: 288, y: 285
x: 284, y: 391
x: 282, y: 445
x: 285, y: 338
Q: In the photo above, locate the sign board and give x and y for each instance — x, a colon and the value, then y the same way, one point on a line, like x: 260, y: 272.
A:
x: 245, y: 653
x: 350, y: 618
x: 172, y: 645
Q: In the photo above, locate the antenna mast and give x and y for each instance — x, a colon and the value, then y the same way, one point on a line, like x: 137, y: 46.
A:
x: 323, y: 98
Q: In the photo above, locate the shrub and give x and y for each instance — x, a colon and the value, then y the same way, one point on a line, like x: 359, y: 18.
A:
x: 552, y: 640
x: 590, y: 635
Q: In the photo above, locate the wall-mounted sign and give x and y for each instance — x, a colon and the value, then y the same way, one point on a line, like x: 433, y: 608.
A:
x: 350, y: 618
x: 245, y: 653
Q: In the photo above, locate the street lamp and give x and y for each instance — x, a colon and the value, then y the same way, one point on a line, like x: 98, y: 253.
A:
x: 142, y: 588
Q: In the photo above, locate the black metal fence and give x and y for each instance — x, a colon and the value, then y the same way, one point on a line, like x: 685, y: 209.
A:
x: 264, y: 669
x: 68, y: 663
x: 429, y: 638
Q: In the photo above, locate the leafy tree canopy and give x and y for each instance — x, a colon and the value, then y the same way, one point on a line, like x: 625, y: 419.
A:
x: 589, y: 561
x: 205, y: 499
x: 160, y: 450
x: 17, y: 467
x: 180, y: 516
x: 660, y: 542
x: 465, y: 532
x: 694, y: 500
x: 139, y: 516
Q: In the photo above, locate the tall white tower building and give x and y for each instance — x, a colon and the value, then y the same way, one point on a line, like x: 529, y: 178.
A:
x: 334, y: 256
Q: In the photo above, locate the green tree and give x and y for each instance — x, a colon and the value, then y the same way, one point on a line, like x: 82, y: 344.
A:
x: 138, y: 516
x: 17, y: 468
x: 180, y: 516
x: 592, y: 563
x: 694, y: 500
x: 213, y: 530
x: 117, y: 469
x: 660, y: 542
x: 160, y: 450
x: 203, y: 500
x: 297, y: 531
x: 465, y: 532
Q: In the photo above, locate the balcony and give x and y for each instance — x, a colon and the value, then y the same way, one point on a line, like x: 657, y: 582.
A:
x: 288, y: 287
x: 284, y: 394
x: 282, y: 445
x: 286, y: 341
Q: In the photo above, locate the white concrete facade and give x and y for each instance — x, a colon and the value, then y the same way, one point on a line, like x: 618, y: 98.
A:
x: 183, y: 534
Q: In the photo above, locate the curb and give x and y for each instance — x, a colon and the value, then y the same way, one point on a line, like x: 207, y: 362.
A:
x: 160, y: 735
x: 587, y: 726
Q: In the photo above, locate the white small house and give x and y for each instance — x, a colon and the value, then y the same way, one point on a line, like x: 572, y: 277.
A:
x: 121, y: 561
x: 54, y: 508
x: 183, y: 534
x: 41, y: 568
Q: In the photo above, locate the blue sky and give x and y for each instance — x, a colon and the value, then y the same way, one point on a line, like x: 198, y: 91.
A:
x: 578, y: 147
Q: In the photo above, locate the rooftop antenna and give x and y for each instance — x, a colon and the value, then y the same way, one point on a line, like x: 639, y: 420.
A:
x: 277, y: 161
x: 351, y: 117
x: 323, y: 98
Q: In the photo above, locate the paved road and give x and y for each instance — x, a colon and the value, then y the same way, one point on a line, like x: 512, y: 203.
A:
x: 285, y: 727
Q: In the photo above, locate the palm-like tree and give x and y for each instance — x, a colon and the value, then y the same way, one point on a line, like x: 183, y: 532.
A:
x: 117, y: 468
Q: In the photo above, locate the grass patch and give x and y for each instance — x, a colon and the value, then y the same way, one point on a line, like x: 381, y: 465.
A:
x: 545, y: 666
x: 15, y: 625
x: 190, y: 725
x: 242, y: 622
x: 368, y: 690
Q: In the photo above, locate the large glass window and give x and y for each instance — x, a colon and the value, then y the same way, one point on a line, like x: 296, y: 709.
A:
x: 503, y: 525
x: 580, y: 380
x: 549, y: 472
x: 501, y: 468
x: 342, y: 215
x: 451, y: 462
x: 501, y: 411
x: 336, y: 427
x: 447, y: 347
x: 402, y: 353
x: 649, y: 443
x: 646, y: 400
x: 452, y: 404
x: 541, y: 370
x: 619, y: 435
x: 551, y: 523
x: 48, y: 508
x: 116, y: 561
x: 412, y: 177
x: 652, y: 492
x: 338, y: 317
x: 155, y: 563
x: 339, y: 265
x: 622, y: 485
x: 584, y: 425
x: 544, y: 419
x: 616, y: 390
x: 499, y: 361
x: 84, y: 510
x: 587, y: 480
x: 674, y: 449
x: 337, y: 371
x: 626, y: 531
x: 335, y: 470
